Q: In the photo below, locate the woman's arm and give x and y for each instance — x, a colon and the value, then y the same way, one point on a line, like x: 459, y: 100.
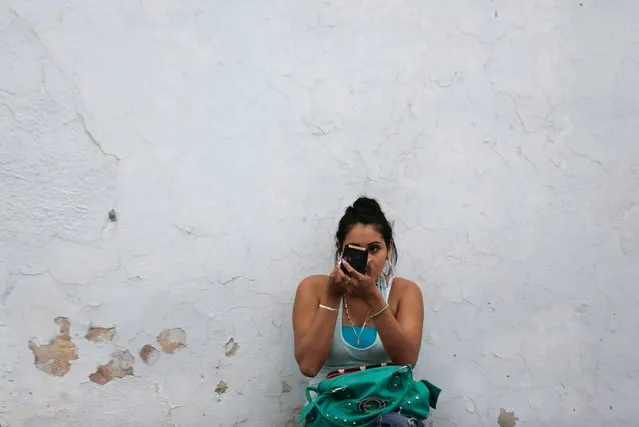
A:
x: 401, y: 334
x: 314, y: 326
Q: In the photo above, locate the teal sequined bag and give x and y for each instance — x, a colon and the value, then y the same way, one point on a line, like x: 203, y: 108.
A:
x: 358, y: 398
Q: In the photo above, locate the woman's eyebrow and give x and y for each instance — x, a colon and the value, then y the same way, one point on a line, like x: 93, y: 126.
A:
x: 376, y: 242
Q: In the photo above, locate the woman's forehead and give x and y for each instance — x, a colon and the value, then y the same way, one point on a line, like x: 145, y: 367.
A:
x: 363, y: 235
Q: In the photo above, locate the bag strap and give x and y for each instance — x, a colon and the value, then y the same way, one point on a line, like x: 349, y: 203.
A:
x: 310, y: 389
x: 310, y: 404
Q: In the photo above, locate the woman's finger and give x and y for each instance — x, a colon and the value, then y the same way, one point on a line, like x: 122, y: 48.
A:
x: 346, y: 281
x: 352, y: 272
x: 341, y: 276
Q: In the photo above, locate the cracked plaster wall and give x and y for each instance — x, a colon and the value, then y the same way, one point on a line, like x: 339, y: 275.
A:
x: 227, y: 137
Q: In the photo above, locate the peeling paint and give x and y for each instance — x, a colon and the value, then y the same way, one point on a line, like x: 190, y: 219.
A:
x: 149, y: 354
x: 221, y: 387
x: 231, y: 348
x: 99, y: 334
x: 293, y: 414
x: 55, y: 358
x: 506, y: 419
x: 121, y: 365
x: 286, y: 387
x: 171, y: 340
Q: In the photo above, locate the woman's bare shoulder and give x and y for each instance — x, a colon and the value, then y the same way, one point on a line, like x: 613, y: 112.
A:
x: 406, y: 287
x: 313, y: 284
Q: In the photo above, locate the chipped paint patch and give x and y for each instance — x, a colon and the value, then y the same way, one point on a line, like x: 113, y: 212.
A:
x: 55, y: 358
x: 171, y: 340
x: 231, y: 348
x: 221, y: 387
x: 149, y: 354
x: 286, y: 387
x: 506, y: 419
x: 99, y: 334
x: 293, y: 415
x: 121, y: 365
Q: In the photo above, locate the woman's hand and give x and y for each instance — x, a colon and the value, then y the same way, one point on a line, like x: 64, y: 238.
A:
x: 360, y: 285
x: 337, y: 282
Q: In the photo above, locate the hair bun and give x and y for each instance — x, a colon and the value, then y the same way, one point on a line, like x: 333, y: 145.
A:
x: 366, y: 204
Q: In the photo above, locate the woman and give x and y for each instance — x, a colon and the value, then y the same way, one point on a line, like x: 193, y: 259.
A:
x: 347, y: 320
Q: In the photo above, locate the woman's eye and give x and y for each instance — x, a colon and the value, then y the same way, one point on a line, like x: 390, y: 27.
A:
x: 374, y: 249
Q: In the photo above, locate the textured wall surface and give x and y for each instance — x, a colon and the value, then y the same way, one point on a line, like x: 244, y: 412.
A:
x: 170, y: 169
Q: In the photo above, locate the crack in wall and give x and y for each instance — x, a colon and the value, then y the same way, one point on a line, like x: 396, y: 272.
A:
x: 93, y: 139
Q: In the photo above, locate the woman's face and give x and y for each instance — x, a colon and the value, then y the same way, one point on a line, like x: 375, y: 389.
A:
x: 368, y: 237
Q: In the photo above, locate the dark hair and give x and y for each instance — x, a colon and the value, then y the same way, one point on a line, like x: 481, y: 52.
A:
x: 365, y: 211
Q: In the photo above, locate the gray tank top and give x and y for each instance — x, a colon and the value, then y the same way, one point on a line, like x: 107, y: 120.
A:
x: 344, y: 355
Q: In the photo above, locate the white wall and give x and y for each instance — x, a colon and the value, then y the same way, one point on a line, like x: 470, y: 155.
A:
x: 228, y: 136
